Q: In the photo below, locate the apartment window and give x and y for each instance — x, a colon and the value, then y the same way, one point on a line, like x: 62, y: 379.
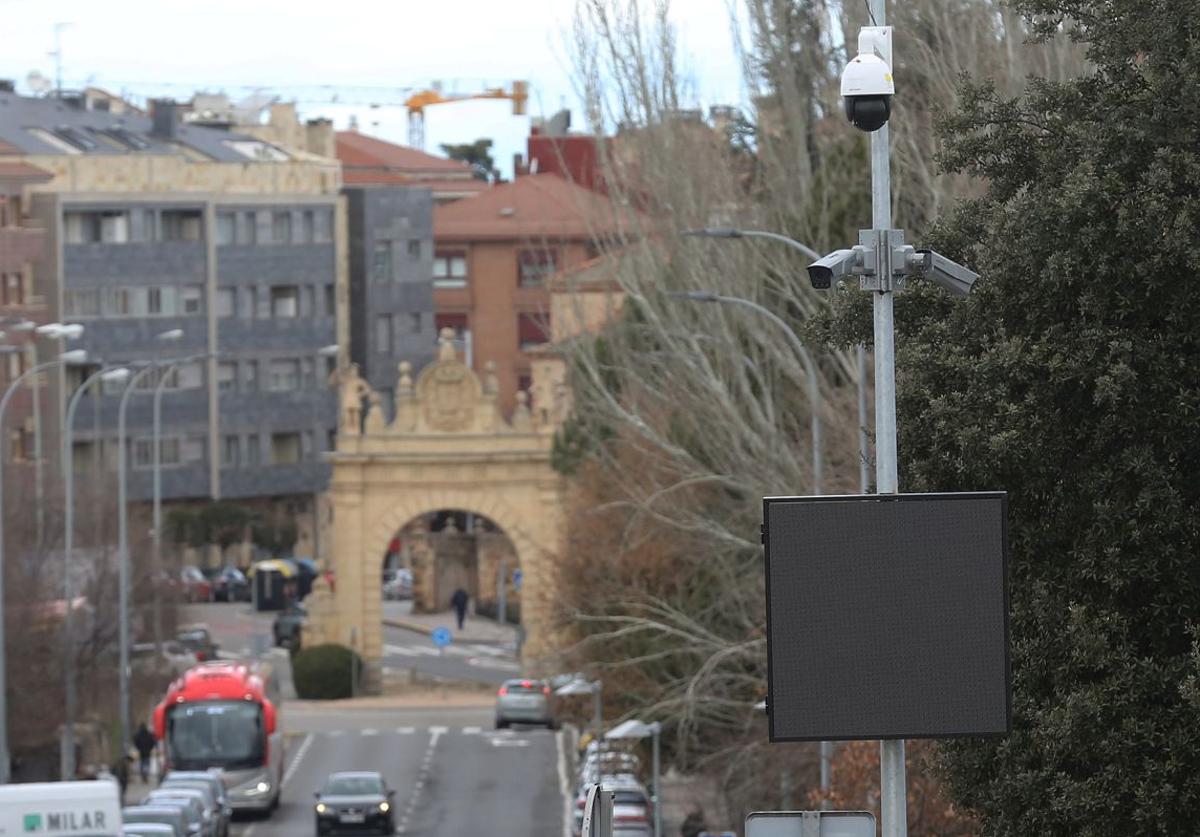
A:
x: 285, y: 301
x: 169, y: 453
x: 190, y: 376
x: 231, y: 449
x: 247, y: 227
x: 226, y: 302
x: 226, y: 376
x: 107, y: 227
x: 330, y: 300
x: 308, y: 371
x: 285, y: 448
x: 191, y: 300
x: 250, y: 370
x: 381, y: 261
x: 307, y: 227
x: 450, y: 270
x: 154, y: 302
x: 192, y: 450
x: 414, y: 323
x: 322, y: 226
x: 82, y: 302
x: 281, y: 227
x: 119, y: 304
x: 383, y: 334
x: 253, y: 456
x: 246, y: 303
x: 414, y: 248
x: 534, y: 267
x: 12, y: 289
x: 532, y: 330
x: 308, y: 301
x: 284, y: 375
x: 459, y: 322
x: 226, y: 228
x: 181, y: 225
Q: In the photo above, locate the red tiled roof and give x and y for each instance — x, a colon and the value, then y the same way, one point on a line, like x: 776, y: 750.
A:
x: 23, y: 171
x: 542, y: 205
x: 359, y: 151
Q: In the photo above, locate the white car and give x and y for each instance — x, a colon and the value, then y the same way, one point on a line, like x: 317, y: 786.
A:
x: 398, y: 584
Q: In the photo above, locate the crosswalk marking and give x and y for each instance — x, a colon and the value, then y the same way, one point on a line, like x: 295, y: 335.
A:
x: 440, y: 731
x: 405, y: 730
x: 471, y: 730
x: 369, y: 732
x: 483, y: 654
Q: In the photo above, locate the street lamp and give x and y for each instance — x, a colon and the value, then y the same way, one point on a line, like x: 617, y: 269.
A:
x: 106, y: 375
x: 810, y: 368
x: 53, y: 331
x: 860, y: 353
x: 77, y: 356
x: 579, y: 686
x: 634, y: 728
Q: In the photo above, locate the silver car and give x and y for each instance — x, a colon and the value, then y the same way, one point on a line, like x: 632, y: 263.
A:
x: 168, y: 815
x: 147, y: 829
x: 198, y: 821
x: 209, y: 784
x: 525, y: 702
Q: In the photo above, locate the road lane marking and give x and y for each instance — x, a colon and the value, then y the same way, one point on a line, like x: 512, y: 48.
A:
x: 471, y: 730
x: 564, y: 785
x: 405, y: 730
x: 435, y: 733
x: 291, y: 771
x: 369, y: 732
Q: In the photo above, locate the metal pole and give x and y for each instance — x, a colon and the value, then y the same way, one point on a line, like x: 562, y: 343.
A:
x: 502, y: 594
x: 656, y: 728
x: 598, y: 713
x: 864, y: 444
x: 39, y: 478
x: 68, y: 468
x: 894, y: 817
x: 5, y: 758
x: 123, y: 559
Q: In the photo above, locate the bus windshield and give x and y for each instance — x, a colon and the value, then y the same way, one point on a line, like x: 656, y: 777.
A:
x: 226, y: 734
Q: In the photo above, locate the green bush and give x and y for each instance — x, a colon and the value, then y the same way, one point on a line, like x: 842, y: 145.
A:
x: 326, y: 672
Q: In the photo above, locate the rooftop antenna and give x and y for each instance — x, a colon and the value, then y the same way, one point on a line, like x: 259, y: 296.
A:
x: 57, y: 56
x: 38, y: 83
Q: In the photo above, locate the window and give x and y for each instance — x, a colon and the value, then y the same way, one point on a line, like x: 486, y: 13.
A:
x: 231, y: 450
x: 248, y: 227
x: 226, y: 376
x: 12, y: 289
x: 226, y: 228
x: 284, y: 375
x: 414, y: 322
x: 534, y: 267
x: 108, y: 227
x: 322, y: 226
x: 381, y: 263
x: 459, y: 322
x: 285, y: 448
x: 285, y: 301
x: 308, y: 370
x: 307, y: 227
x: 191, y: 300
x: 252, y: 453
x: 450, y: 270
x: 246, y: 306
x: 192, y: 450
x: 281, y: 227
x: 82, y: 302
x: 383, y: 334
x: 330, y: 300
x: 226, y: 302
x: 190, y: 376
x: 532, y: 330
x: 308, y: 301
x: 154, y: 301
x: 168, y: 454
x: 250, y: 369
x: 182, y: 225
x: 414, y: 248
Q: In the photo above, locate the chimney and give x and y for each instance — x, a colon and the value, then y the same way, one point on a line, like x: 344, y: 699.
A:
x: 164, y: 119
x: 319, y: 137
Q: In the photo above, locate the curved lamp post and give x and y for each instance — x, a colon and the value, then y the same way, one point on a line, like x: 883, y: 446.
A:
x: 634, y: 728
x: 77, y: 356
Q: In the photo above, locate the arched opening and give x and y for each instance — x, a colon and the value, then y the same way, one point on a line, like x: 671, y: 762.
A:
x: 435, y: 554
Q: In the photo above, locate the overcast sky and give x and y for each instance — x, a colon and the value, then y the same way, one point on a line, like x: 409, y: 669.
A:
x: 140, y: 47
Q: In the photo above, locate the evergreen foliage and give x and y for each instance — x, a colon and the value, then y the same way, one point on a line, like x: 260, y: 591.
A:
x: 326, y: 672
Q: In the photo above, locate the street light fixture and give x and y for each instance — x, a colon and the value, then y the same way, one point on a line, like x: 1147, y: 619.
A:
x: 634, y: 728
x: 581, y: 686
x: 103, y: 375
x: 173, y: 334
x: 733, y: 232
x: 77, y: 356
x: 53, y: 331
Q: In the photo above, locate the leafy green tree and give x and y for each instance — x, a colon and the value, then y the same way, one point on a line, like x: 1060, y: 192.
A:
x: 1069, y: 378
x: 276, y: 536
x: 476, y: 154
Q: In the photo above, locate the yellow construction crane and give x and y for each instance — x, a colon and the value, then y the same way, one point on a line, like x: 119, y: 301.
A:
x: 517, y: 92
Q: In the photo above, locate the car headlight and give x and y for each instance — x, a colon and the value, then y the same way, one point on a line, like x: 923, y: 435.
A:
x: 257, y: 790
x: 321, y: 809
x: 384, y: 807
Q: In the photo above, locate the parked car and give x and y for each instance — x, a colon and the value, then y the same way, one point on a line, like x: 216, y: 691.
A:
x: 229, y: 584
x: 195, y: 587
x: 212, y: 786
x: 199, y: 641
x: 355, y: 801
x: 147, y: 829
x: 525, y: 702
x: 169, y: 815
x: 212, y: 816
x: 397, y: 584
x: 288, y: 626
x: 190, y: 805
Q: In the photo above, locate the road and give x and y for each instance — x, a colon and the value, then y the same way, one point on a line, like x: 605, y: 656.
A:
x: 453, y: 774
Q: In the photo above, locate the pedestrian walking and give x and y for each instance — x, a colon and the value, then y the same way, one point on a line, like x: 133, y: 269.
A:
x: 144, y: 741
x: 459, y: 602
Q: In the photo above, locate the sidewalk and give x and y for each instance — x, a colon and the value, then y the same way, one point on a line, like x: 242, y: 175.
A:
x: 475, y: 628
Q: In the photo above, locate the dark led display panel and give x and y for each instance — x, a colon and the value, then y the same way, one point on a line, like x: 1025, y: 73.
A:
x: 887, y: 616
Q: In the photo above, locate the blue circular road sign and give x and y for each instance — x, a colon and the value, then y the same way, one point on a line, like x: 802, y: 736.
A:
x: 441, y: 637
x: 517, y: 578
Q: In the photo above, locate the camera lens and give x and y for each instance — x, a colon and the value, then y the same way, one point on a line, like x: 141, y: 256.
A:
x: 868, y: 113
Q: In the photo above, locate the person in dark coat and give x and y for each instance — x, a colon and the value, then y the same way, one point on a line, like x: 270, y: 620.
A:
x: 459, y: 602
x: 144, y: 741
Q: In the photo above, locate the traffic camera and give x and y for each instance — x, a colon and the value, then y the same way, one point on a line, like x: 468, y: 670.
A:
x: 867, y: 86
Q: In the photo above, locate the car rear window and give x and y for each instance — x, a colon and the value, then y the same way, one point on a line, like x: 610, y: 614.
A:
x: 628, y: 798
x: 525, y: 685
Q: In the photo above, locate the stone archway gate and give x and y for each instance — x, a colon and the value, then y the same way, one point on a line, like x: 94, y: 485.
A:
x: 448, y: 447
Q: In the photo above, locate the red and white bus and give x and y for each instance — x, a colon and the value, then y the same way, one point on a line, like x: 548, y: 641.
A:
x: 225, y: 715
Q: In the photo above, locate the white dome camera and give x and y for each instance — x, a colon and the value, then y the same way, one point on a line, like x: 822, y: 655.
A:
x: 867, y: 86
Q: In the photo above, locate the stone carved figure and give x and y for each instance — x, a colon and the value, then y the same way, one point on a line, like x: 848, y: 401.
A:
x: 522, y: 420
x: 446, y: 350
x: 351, y: 393
x: 491, y: 384
x: 375, y: 422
